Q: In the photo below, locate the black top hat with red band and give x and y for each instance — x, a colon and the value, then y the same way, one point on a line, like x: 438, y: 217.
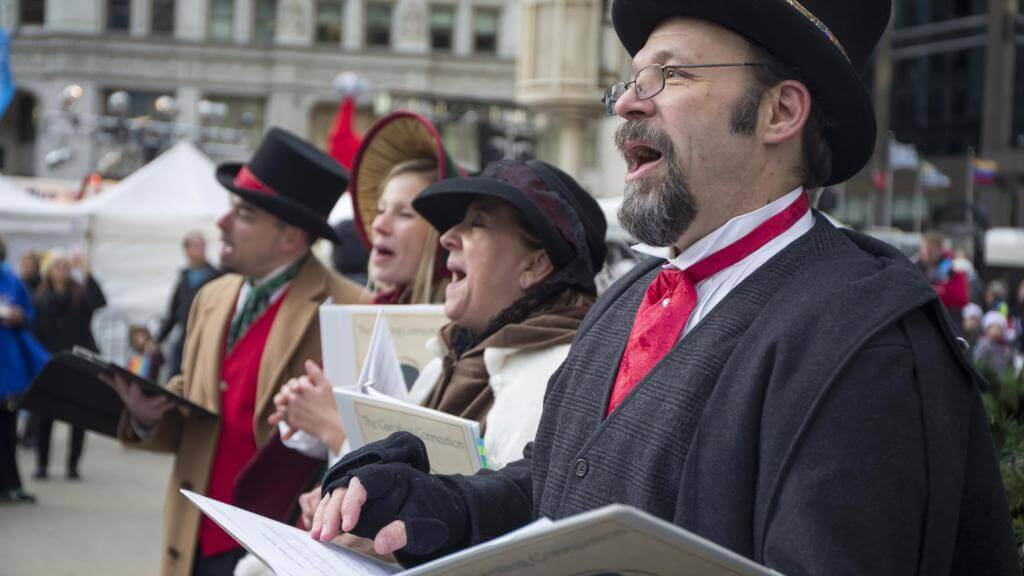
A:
x: 290, y: 178
x: 826, y: 41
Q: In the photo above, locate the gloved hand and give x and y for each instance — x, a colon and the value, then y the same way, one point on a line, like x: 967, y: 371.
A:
x: 395, y: 474
x: 401, y: 447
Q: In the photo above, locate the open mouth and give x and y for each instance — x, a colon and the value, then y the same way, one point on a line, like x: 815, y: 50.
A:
x: 458, y: 274
x: 639, y: 154
x: 641, y: 159
x: 383, y: 251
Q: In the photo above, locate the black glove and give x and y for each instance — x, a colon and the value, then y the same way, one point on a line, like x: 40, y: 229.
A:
x: 401, y: 447
x: 395, y: 473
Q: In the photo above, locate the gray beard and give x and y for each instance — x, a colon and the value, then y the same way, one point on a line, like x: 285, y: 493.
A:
x: 655, y: 212
x: 658, y: 213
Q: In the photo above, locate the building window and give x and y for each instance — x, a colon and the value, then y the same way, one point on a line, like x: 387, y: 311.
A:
x: 328, y: 21
x: 265, y: 22
x: 119, y: 15
x: 442, y: 24
x: 485, y: 30
x: 163, y: 17
x: 221, y: 25
x: 937, y: 100
x: 32, y: 11
x: 917, y: 12
x: 378, y: 24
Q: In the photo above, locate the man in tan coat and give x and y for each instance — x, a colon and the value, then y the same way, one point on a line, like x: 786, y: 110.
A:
x: 248, y: 333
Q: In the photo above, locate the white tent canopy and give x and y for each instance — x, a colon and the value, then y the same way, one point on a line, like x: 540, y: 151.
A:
x: 26, y: 222
x: 136, y: 228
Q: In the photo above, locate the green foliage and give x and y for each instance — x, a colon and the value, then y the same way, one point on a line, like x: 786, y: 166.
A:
x: 1003, y: 403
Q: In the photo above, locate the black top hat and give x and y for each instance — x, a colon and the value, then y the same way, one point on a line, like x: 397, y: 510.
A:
x: 291, y: 179
x: 826, y: 41
x: 566, y: 219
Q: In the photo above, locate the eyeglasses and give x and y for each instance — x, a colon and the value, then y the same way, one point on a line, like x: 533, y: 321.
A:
x: 649, y: 81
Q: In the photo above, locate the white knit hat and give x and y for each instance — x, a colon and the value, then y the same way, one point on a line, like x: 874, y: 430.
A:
x: 972, y: 310
x: 993, y: 318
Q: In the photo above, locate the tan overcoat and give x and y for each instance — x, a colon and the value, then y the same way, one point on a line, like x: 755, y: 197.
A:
x: 294, y: 338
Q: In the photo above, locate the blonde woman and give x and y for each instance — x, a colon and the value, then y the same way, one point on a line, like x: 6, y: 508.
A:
x: 400, y: 156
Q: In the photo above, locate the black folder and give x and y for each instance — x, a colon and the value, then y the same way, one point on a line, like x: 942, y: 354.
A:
x: 68, y: 388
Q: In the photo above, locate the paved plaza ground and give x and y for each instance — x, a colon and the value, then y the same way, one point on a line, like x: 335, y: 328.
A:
x: 108, y: 523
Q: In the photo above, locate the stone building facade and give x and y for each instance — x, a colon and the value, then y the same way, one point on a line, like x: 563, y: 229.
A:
x: 272, y: 62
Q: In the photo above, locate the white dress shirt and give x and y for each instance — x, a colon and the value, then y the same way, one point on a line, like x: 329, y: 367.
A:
x: 716, y: 287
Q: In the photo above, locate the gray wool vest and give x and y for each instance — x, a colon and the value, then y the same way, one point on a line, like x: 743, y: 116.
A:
x: 653, y: 427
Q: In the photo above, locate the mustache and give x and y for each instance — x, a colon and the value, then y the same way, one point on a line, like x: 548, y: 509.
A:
x: 639, y: 130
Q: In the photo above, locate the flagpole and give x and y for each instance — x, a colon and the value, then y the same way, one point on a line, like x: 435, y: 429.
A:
x: 919, y: 195
x: 887, y: 198
x: 969, y: 186
x: 872, y: 219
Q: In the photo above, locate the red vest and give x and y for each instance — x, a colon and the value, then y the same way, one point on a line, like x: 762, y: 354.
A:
x: 236, y: 443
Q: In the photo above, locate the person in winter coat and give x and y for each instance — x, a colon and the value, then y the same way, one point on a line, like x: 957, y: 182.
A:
x: 525, y: 242
x: 191, y: 278
x: 21, y: 358
x: 64, y: 310
x: 994, y: 351
x: 938, y: 266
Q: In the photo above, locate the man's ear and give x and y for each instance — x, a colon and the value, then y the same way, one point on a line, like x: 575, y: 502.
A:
x: 789, y: 106
x: 538, y: 267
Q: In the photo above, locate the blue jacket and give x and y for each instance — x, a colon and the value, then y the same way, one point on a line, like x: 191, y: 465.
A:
x: 21, y: 356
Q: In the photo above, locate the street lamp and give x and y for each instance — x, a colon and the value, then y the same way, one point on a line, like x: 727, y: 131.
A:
x: 71, y: 94
x: 166, y: 106
x: 118, y: 103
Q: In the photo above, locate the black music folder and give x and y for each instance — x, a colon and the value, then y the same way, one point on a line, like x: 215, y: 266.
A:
x: 68, y: 388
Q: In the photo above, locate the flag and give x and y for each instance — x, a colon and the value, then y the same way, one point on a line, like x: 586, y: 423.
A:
x: 343, y: 141
x: 902, y: 156
x: 984, y: 171
x: 6, y: 80
x: 931, y: 177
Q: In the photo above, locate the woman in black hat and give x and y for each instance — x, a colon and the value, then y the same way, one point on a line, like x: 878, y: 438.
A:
x: 524, y: 243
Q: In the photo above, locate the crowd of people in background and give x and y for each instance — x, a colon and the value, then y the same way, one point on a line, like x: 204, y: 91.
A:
x: 990, y: 316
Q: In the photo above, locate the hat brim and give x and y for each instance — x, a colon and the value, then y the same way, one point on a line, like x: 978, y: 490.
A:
x: 795, y: 40
x: 398, y: 137
x: 444, y: 204
x: 284, y: 208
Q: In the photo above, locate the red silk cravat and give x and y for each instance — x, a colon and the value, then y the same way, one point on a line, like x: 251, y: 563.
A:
x: 672, y: 296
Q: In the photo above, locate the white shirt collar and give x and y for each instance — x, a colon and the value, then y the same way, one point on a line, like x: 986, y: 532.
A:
x: 736, y: 228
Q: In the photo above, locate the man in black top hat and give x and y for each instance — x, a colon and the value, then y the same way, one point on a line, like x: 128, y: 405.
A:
x: 790, y: 391
x: 249, y: 332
